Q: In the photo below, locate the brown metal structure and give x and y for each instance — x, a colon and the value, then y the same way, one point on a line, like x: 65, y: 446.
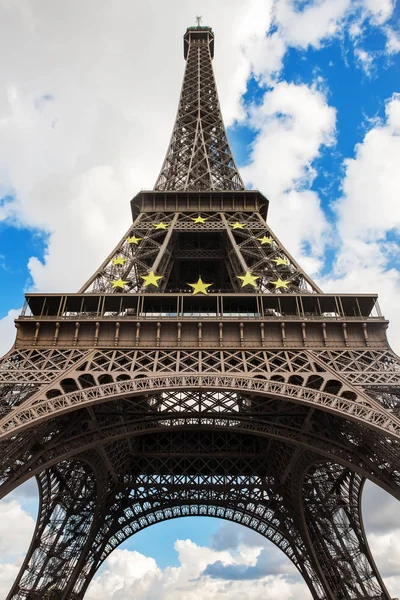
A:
x: 259, y: 399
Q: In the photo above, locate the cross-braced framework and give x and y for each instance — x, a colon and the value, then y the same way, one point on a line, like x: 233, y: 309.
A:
x: 200, y: 371
x: 237, y: 241
x: 199, y: 156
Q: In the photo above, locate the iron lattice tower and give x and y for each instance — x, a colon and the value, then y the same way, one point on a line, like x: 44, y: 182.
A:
x: 200, y: 371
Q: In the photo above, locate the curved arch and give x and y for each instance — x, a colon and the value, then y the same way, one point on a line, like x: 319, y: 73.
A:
x: 333, y: 386
x: 81, y: 436
x: 265, y: 514
x: 264, y: 416
x: 104, y: 378
x: 277, y: 534
x: 363, y: 410
x: 185, y: 425
x: 330, y: 503
x: 69, y: 385
x: 86, y: 380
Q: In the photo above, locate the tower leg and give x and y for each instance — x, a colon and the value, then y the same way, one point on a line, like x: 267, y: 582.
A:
x: 67, y: 511
x: 332, y: 512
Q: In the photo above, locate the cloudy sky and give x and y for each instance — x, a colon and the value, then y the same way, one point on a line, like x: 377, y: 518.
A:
x: 310, y: 92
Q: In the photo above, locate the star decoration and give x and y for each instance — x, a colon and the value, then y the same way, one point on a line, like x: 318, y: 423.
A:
x: 133, y: 240
x: 118, y: 283
x: 160, y: 225
x: 237, y: 225
x: 199, y: 287
x: 280, y: 261
x: 265, y: 240
x: 279, y: 283
x: 119, y: 261
x: 151, y: 279
x: 248, y: 279
x: 199, y: 219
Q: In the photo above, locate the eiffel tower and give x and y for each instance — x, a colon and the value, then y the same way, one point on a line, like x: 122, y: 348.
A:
x: 200, y: 371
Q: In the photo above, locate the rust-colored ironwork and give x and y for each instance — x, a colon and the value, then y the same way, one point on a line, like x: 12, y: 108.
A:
x: 199, y: 156
x: 259, y: 399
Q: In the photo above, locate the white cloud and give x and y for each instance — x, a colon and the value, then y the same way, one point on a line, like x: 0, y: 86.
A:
x: 384, y: 520
x: 364, y: 59
x: 324, y: 17
x: 7, y: 330
x: 379, y: 11
x: 375, y: 13
x: 124, y: 572
x: 383, y: 533
x: 8, y: 574
x: 316, y: 23
x: 367, y: 213
x: 86, y: 112
x: 310, y: 26
x: 387, y: 552
x: 128, y: 572
x: 293, y: 123
x: 238, y: 563
x: 393, y: 41
x: 83, y: 126
x: 16, y: 529
x: 371, y: 188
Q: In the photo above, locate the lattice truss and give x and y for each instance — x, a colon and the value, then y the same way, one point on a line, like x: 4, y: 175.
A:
x: 88, y: 376
x: 199, y: 156
x: 133, y: 431
x: 279, y: 440
x: 241, y: 242
x: 239, y: 478
x: 332, y: 511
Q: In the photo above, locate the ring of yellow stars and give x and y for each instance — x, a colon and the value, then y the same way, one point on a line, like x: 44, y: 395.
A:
x: 119, y: 283
x: 265, y: 240
x: 119, y: 261
x: 133, y: 240
x: 151, y: 279
x: 280, y: 261
x: 248, y: 279
x: 279, y: 283
x: 160, y: 225
x: 199, y: 219
x: 200, y: 287
x: 237, y: 225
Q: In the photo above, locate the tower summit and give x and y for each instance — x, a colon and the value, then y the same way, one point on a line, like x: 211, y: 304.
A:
x: 200, y: 371
x: 199, y: 156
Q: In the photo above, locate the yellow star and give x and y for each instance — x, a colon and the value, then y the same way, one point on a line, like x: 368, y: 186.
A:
x: 151, y: 279
x: 280, y: 284
x: 237, y: 225
x: 265, y: 240
x: 199, y: 219
x: 248, y: 279
x: 199, y: 287
x: 119, y: 261
x: 133, y: 240
x: 160, y: 225
x: 280, y: 261
x: 118, y: 283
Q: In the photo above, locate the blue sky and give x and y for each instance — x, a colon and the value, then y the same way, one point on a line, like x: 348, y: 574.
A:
x: 356, y: 90
x: 84, y: 129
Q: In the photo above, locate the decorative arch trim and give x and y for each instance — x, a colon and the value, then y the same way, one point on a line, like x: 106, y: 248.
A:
x: 361, y: 410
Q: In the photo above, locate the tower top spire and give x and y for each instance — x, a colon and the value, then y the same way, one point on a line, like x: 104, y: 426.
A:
x: 199, y: 156
x: 198, y: 34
